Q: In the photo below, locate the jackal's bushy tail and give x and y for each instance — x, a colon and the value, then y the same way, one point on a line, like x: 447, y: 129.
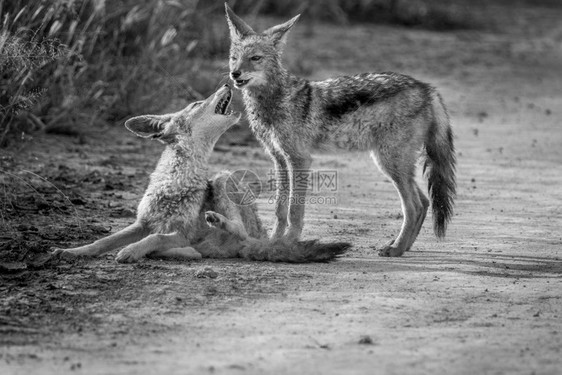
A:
x: 439, y: 166
x: 296, y: 252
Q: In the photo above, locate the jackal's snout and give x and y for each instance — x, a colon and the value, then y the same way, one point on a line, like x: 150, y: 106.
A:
x: 235, y: 76
x: 218, y: 107
x: 223, y: 98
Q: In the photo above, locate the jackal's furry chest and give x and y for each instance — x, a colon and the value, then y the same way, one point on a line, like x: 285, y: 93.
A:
x: 265, y: 114
x: 167, y: 212
x: 174, y: 195
x: 275, y: 120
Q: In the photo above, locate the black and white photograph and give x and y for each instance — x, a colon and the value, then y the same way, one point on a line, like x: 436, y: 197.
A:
x: 281, y: 187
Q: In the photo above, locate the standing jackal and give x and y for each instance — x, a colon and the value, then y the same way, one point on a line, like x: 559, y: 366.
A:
x: 392, y: 116
x: 183, y: 214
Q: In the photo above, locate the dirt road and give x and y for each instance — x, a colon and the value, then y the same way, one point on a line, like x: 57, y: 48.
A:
x: 487, y: 300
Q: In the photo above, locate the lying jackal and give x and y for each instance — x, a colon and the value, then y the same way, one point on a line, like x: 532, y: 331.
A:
x: 183, y: 214
x: 392, y: 116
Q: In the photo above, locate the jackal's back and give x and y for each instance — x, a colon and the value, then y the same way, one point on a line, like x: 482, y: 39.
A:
x: 347, y: 112
x: 346, y: 94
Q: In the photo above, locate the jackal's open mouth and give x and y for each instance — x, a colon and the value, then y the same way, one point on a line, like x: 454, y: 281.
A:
x: 224, y: 103
x: 241, y: 82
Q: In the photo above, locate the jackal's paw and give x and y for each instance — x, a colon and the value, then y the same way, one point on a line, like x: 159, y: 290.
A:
x: 390, y: 251
x: 291, y: 236
x: 214, y: 219
x: 128, y: 255
x: 67, y: 254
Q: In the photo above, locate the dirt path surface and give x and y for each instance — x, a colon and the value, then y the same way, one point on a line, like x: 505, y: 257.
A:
x: 487, y: 300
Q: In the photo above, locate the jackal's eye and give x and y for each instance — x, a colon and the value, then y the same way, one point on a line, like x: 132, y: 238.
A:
x: 233, y: 58
x: 256, y: 58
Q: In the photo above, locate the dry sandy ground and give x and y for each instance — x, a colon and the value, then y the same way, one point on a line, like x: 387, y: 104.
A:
x: 487, y: 300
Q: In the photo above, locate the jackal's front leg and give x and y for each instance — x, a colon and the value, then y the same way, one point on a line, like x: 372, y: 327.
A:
x: 282, y: 193
x: 152, y: 243
x: 299, y: 174
x: 126, y: 236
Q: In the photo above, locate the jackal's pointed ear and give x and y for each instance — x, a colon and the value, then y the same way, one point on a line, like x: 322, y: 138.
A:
x: 279, y: 33
x: 148, y: 126
x: 238, y: 28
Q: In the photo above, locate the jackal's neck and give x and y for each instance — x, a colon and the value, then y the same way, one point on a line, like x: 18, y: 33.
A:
x: 265, y: 104
x: 278, y: 83
x: 182, y: 166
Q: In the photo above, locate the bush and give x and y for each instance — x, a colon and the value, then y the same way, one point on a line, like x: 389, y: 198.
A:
x: 94, y: 60
x: 26, y: 53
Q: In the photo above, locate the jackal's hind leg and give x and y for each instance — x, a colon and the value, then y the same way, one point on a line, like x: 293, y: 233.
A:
x: 399, y: 164
x: 421, y: 199
x: 149, y: 244
x: 219, y: 221
x: 414, y: 210
x: 124, y: 237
